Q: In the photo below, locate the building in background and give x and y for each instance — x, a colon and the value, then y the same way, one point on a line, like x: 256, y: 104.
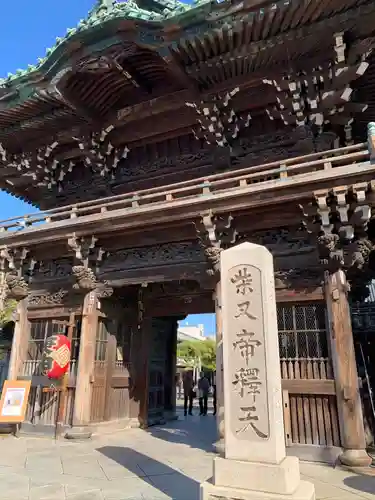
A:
x: 190, y: 333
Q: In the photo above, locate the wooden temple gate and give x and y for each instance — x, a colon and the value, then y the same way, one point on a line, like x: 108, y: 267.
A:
x: 310, y: 408
x: 250, y: 145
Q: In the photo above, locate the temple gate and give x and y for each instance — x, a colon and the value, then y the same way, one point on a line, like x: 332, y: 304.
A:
x: 152, y: 145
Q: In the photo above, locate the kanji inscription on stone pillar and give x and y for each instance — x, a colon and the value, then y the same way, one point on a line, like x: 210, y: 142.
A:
x: 254, y: 427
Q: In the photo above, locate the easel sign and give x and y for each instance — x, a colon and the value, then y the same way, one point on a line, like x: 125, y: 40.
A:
x: 14, y: 400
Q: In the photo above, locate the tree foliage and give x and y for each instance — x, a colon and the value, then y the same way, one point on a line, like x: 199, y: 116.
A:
x: 197, y: 352
x: 6, y: 313
x: 6, y: 327
x: 209, y: 354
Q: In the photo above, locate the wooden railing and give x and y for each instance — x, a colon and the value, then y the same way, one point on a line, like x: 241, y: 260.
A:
x: 210, y: 186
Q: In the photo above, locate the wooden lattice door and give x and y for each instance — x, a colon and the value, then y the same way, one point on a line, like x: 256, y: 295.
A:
x: 99, y: 374
x: 306, y: 369
x: 156, y: 371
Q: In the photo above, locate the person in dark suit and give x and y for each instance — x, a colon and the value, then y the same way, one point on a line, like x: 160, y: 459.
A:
x: 203, y: 390
x: 188, y: 384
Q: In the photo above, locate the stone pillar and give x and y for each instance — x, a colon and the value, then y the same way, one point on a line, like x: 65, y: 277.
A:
x: 219, y: 445
x: 255, y: 464
x: 345, y: 371
x: 85, y: 371
x: 20, y: 341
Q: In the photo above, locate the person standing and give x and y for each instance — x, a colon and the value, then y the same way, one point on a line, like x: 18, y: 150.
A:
x: 203, y: 390
x: 214, y: 400
x: 188, y: 383
x: 179, y: 385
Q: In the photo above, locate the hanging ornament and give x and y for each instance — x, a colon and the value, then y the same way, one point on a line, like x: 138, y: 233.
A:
x: 56, y: 356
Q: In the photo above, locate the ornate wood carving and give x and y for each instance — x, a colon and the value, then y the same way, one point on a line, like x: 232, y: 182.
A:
x: 217, y: 121
x: 177, y: 158
x: 215, y: 233
x: 46, y: 170
x: 17, y: 267
x: 155, y: 255
x: 88, y: 258
x: 172, y: 289
x: 46, y: 299
x: 165, y: 163
x: 99, y: 153
x: 298, y: 278
x: 281, y: 241
x: 322, y: 95
x: 338, y: 220
x: 53, y: 269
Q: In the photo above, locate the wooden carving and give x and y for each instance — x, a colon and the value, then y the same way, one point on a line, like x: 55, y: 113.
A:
x: 17, y: 266
x: 218, y: 123
x: 155, y: 255
x: 47, y: 299
x: 322, y: 95
x: 337, y: 220
x: 215, y: 233
x: 88, y: 258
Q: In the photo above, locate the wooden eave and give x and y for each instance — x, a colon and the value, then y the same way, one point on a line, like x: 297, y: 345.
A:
x: 292, y: 36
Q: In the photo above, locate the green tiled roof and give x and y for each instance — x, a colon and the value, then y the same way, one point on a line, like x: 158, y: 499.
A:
x: 153, y: 11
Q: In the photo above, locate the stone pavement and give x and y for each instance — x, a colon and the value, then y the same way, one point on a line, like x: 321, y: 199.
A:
x: 161, y: 463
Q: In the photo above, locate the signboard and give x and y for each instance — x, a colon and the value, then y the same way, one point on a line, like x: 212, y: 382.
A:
x: 14, y: 400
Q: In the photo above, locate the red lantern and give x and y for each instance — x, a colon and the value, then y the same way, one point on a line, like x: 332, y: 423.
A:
x: 56, y: 356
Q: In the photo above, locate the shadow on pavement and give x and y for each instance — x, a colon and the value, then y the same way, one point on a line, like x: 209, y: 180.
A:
x: 193, y: 431
x: 168, y: 481
x: 366, y: 484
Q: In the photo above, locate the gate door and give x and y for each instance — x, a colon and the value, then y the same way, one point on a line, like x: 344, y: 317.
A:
x: 100, y: 374
x: 307, y: 378
x: 156, y: 373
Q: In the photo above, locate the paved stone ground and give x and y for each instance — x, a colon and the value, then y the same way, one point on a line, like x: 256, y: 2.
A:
x: 158, y: 464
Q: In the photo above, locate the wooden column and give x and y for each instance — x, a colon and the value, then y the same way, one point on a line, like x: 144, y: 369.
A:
x: 20, y: 341
x: 170, y: 372
x: 219, y: 445
x: 345, y: 371
x: 82, y: 400
x: 174, y: 364
x: 142, y: 382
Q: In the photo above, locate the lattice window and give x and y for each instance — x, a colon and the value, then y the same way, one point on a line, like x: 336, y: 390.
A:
x: 101, y: 341
x: 303, y: 340
x: 40, y: 330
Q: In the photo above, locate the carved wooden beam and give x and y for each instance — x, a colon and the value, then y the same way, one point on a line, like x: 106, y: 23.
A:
x: 99, y: 153
x: 215, y: 233
x: 217, y: 121
x: 338, y: 219
x: 88, y: 258
x: 321, y: 96
x: 44, y: 169
x: 16, y: 267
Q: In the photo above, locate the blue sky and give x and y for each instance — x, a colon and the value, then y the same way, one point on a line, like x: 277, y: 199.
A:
x: 28, y: 28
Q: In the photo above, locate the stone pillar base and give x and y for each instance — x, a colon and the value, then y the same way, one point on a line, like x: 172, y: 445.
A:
x: 76, y: 433
x: 355, y: 458
x: 257, y: 481
x: 219, y: 447
x: 305, y: 491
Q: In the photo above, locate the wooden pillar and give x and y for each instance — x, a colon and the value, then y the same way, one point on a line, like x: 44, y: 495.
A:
x: 142, y: 382
x: 345, y: 371
x: 174, y: 364
x: 20, y: 341
x: 85, y: 370
x: 171, y: 366
x: 219, y: 445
